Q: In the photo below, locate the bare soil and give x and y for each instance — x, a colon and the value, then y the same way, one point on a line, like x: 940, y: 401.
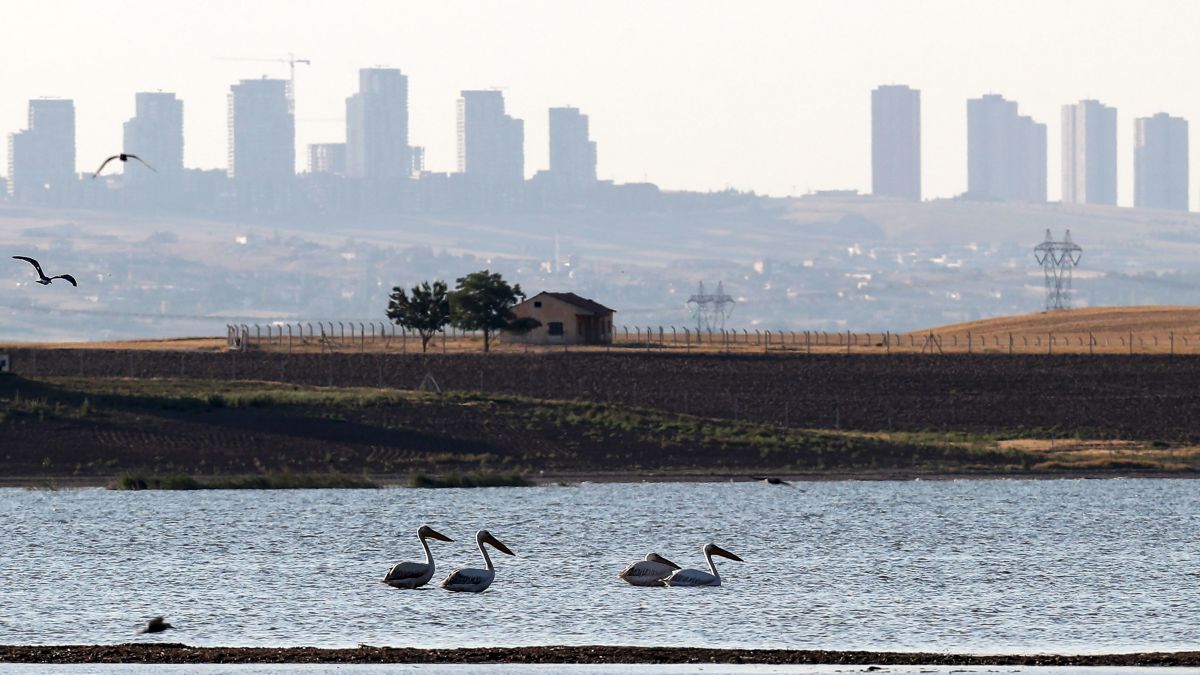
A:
x: 178, y: 653
x: 1141, y: 397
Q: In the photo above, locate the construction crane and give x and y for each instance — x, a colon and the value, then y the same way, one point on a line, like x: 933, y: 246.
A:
x: 291, y: 60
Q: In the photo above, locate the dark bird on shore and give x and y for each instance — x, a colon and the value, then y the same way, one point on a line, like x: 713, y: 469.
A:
x: 772, y: 480
x: 124, y: 157
x: 155, y: 625
x: 42, y: 278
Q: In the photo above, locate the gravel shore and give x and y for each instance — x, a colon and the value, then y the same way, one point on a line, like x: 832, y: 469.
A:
x: 179, y: 653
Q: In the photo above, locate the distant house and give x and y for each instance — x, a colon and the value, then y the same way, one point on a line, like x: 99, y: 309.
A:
x: 566, y: 319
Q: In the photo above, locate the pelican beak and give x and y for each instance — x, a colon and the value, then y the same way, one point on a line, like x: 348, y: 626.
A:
x: 717, y: 550
x: 498, y: 545
x: 668, y: 563
x: 437, y: 535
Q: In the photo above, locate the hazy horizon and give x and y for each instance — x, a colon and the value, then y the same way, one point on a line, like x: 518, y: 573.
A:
x: 772, y: 97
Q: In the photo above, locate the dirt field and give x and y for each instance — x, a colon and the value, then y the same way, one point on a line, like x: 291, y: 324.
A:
x: 1114, y: 397
x: 82, y: 430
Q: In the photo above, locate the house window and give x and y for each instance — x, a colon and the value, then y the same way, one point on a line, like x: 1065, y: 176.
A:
x: 556, y: 328
x: 537, y: 303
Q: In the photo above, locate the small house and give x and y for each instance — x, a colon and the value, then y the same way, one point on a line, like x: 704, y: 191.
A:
x: 566, y: 318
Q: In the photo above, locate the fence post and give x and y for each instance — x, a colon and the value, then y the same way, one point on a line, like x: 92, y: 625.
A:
x: 1050, y: 343
x: 847, y: 342
x: 969, y: 341
x: 808, y: 343
x: 1172, y: 343
x: 1091, y: 343
x: 767, y: 341
x: 1010, y: 343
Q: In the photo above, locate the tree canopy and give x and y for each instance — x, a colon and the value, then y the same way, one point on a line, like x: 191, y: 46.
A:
x: 484, y: 301
x: 427, y: 310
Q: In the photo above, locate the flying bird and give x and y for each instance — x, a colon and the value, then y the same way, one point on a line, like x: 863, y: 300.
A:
x: 124, y: 157
x: 155, y: 625
x: 42, y: 278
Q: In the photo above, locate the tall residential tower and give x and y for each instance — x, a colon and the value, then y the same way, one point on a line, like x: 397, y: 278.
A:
x: 1006, y: 152
x: 41, y: 159
x: 262, y: 141
x: 155, y: 133
x: 377, y: 126
x: 1160, y: 172
x: 491, y: 149
x: 1089, y: 153
x: 572, y: 153
x: 896, y: 142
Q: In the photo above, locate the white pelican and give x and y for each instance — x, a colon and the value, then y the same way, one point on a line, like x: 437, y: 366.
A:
x: 690, y: 577
x: 648, y: 572
x: 413, y: 574
x: 471, y: 580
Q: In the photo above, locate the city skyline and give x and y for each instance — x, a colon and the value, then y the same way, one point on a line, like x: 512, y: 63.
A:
x: 1006, y: 151
x: 805, y: 128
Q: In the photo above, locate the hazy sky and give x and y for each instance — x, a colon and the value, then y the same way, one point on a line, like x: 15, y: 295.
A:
x: 762, y: 95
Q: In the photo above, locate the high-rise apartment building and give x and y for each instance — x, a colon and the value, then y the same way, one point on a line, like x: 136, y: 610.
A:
x: 1006, y: 152
x: 327, y: 158
x: 1089, y: 153
x: 491, y: 145
x: 155, y: 133
x: 572, y: 153
x: 262, y: 136
x: 1160, y: 155
x: 896, y: 142
x: 41, y: 159
x: 377, y: 126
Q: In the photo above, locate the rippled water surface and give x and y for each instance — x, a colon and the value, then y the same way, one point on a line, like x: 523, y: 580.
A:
x: 1013, y: 566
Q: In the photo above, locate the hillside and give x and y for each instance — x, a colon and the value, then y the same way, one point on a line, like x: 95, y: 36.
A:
x: 1138, y: 320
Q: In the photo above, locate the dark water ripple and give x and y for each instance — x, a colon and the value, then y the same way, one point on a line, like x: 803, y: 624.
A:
x: 1014, y: 566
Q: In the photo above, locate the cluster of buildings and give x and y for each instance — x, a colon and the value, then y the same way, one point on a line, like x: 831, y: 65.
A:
x: 1007, y: 154
x: 376, y: 168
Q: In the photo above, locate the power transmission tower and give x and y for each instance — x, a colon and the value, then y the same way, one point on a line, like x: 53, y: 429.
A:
x: 1058, y: 259
x: 711, y: 309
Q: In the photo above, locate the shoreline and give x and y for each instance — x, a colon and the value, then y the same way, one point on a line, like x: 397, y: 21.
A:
x: 176, y: 653
x: 567, y: 479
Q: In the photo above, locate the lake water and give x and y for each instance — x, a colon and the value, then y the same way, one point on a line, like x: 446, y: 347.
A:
x: 963, y: 566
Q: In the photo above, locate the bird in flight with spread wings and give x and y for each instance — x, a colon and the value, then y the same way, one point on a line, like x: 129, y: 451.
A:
x: 124, y: 157
x: 42, y: 278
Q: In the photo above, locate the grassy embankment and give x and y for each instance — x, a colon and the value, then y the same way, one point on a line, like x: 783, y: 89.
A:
x: 189, y: 434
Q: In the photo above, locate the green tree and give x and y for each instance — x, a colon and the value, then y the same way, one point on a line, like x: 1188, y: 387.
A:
x: 483, y: 301
x: 427, y: 311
